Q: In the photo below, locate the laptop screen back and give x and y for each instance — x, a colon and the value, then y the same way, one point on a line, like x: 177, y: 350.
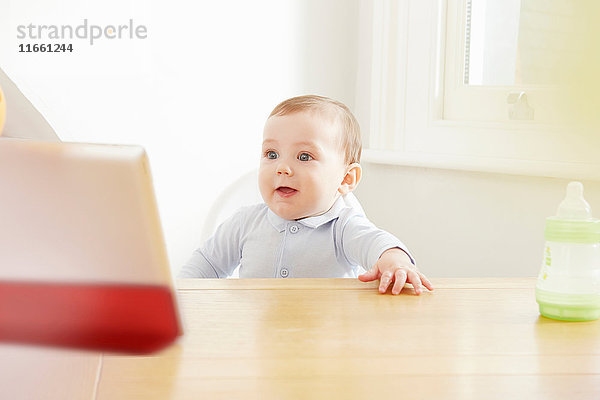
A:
x: 82, y: 255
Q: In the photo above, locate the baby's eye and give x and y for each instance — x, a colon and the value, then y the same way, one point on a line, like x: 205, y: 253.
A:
x: 271, y: 155
x: 305, y: 157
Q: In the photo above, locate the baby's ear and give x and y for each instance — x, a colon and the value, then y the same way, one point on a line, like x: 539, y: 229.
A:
x: 351, y: 179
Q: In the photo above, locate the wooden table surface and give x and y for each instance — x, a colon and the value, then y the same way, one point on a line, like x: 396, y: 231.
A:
x: 340, y: 338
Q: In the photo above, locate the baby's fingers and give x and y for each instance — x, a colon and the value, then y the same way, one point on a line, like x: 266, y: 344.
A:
x: 415, y: 279
x: 370, y: 275
x: 400, y: 281
x: 384, y: 281
x: 425, y: 281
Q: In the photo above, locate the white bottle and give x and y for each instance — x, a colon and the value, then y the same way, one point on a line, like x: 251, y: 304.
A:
x: 568, y: 287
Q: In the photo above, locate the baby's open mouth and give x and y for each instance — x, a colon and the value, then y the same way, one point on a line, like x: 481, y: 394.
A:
x: 285, y: 191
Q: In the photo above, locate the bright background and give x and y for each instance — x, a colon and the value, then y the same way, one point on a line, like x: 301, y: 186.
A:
x: 195, y: 93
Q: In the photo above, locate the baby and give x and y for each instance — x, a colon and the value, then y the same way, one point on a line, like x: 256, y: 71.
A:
x: 307, y: 227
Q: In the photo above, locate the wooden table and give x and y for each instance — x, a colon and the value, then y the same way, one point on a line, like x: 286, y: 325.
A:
x: 339, y: 338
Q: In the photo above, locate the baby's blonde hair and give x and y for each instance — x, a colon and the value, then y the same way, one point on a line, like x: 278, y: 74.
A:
x: 349, y: 127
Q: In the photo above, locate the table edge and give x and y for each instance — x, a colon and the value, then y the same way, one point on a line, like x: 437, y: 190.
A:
x: 346, y: 283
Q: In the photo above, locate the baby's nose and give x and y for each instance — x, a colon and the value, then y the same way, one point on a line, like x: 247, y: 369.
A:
x: 283, y: 168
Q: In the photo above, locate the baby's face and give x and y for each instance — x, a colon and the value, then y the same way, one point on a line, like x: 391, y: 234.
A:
x: 302, y: 165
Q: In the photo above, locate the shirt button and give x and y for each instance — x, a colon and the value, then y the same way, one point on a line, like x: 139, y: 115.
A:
x: 284, y: 272
x: 294, y: 228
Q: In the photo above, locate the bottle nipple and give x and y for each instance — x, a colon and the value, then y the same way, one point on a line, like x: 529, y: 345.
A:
x: 574, y: 205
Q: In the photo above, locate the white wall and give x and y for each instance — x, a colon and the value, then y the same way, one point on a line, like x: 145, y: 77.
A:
x: 458, y: 223
x: 195, y: 93
x: 461, y: 224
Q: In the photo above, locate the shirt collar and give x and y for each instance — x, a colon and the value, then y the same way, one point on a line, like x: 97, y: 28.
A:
x: 310, y: 222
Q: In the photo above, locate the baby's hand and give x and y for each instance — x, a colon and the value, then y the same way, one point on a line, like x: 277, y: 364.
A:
x: 395, y: 265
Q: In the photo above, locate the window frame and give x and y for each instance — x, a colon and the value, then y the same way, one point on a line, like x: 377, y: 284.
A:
x: 405, y: 119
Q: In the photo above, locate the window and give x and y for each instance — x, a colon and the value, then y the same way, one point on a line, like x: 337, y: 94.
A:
x: 511, y: 59
x: 489, y: 85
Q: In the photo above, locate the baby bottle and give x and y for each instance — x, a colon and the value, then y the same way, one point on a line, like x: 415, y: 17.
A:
x: 568, y: 287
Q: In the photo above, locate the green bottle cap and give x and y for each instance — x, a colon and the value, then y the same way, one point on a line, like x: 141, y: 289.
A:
x: 573, y: 222
x: 572, y: 231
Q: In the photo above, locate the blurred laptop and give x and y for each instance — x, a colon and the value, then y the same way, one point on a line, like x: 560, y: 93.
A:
x: 82, y: 256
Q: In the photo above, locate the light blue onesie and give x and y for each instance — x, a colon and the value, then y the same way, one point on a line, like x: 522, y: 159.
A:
x: 264, y: 245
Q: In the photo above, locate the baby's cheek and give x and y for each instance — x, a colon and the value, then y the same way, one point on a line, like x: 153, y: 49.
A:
x: 263, y: 187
